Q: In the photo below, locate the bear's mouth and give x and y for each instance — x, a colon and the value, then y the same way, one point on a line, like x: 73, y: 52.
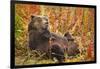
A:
x: 45, y: 27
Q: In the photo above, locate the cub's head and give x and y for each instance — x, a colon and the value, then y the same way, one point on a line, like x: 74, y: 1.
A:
x: 38, y: 23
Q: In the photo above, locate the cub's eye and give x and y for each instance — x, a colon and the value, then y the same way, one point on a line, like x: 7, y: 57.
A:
x: 52, y: 39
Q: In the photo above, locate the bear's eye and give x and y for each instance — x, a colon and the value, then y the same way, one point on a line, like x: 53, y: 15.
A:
x: 53, y: 39
x: 45, y: 18
x: 39, y: 20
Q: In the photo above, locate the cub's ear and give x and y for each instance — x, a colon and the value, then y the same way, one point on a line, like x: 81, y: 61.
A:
x: 32, y: 16
x: 69, y: 36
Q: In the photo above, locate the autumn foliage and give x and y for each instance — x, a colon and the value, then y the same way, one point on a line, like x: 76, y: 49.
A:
x: 79, y: 21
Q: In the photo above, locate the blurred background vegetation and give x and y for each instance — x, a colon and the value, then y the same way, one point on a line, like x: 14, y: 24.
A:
x: 78, y: 21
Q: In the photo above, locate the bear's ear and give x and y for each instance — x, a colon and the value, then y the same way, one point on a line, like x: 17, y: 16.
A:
x: 32, y: 16
x: 69, y: 36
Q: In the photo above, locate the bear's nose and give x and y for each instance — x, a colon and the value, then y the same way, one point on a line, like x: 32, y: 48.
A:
x: 46, y: 23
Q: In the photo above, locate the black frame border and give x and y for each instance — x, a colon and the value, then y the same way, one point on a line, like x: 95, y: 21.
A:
x: 12, y: 33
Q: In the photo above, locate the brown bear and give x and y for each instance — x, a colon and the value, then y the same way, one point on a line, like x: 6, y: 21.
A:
x: 38, y: 33
x: 72, y: 48
x: 39, y: 38
x: 61, y: 45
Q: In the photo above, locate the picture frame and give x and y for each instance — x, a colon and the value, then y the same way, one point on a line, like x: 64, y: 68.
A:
x: 20, y: 6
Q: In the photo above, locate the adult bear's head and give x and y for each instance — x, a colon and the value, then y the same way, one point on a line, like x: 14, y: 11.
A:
x: 39, y: 23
